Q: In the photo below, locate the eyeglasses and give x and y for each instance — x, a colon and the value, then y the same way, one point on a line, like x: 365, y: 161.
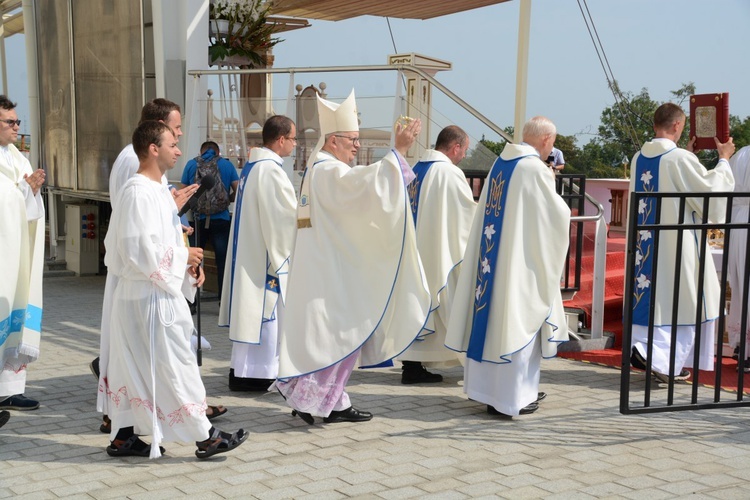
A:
x: 12, y: 122
x: 355, y: 140
x: 290, y: 138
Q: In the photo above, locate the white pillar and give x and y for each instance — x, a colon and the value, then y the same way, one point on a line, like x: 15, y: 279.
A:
x: 522, y: 68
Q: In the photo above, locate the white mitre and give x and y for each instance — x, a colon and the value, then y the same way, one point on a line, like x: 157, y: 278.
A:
x: 334, y: 117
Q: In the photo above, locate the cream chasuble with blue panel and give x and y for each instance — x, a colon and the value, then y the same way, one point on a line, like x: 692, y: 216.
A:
x: 661, y: 166
x: 443, y: 208
x: 509, y: 289
x: 263, y: 227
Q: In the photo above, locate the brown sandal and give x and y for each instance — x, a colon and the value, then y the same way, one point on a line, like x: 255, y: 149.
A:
x: 216, y: 411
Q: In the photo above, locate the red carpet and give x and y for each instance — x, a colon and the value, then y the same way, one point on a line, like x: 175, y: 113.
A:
x: 613, y: 283
x: 613, y: 358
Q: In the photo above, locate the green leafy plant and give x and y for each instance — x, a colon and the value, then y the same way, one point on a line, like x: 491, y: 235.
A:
x: 249, y: 34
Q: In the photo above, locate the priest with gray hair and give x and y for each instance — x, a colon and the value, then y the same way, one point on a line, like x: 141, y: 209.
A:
x: 508, y: 311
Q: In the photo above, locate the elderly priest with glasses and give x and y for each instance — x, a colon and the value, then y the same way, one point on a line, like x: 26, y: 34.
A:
x: 357, y: 294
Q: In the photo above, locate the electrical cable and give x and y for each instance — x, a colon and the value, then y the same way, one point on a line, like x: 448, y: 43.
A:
x: 611, y: 82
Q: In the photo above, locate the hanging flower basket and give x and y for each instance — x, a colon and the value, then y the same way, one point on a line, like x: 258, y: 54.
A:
x: 239, y: 30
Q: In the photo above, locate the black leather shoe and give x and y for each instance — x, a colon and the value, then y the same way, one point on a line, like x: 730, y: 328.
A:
x: 308, y: 418
x: 94, y: 367
x: 541, y: 396
x: 351, y: 414
x: 637, y: 360
x: 415, y: 373
x: 248, y: 384
x: 531, y: 408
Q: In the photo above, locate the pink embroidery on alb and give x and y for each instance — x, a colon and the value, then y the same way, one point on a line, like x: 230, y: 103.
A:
x: 176, y: 417
x: 164, y: 265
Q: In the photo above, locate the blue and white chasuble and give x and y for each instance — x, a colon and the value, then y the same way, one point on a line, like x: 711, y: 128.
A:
x: 263, y: 227
x: 509, y: 290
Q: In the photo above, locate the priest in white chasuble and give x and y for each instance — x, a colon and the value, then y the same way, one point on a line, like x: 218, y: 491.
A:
x: 662, y: 167
x: 508, y: 311
x: 356, y: 290
x: 22, y: 249
x: 443, y: 207
x: 260, y: 242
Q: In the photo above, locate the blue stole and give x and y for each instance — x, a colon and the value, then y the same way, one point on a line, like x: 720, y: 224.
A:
x: 18, y: 319
x: 272, y: 283
x: 497, y: 193
x: 646, y: 180
x: 415, y: 187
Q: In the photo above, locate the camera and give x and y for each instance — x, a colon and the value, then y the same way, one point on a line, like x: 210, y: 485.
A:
x: 551, y: 160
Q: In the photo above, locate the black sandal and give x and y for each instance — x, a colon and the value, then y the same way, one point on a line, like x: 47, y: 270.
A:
x: 219, y: 442
x: 131, y: 447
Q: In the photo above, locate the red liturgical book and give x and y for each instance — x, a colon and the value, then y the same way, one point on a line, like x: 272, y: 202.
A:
x: 709, y: 118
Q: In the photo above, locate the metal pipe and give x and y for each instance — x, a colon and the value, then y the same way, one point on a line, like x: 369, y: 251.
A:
x: 385, y: 67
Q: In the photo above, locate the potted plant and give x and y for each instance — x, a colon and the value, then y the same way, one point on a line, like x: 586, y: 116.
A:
x: 240, y: 31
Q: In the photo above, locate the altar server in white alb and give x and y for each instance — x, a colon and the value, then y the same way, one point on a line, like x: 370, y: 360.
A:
x: 737, y: 249
x: 22, y: 241
x: 125, y: 166
x: 443, y: 207
x: 261, y: 238
x: 356, y: 285
x: 662, y: 167
x: 508, y: 311
x: 154, y: 383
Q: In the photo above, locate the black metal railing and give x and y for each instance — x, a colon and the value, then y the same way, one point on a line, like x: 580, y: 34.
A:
x: 572, y: 189
x: 689, y: 233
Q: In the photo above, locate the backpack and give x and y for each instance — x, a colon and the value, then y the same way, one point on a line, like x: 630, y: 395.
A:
x: 216, y: 199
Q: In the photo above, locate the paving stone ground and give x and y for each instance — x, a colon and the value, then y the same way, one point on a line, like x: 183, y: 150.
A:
x: 424, y: 442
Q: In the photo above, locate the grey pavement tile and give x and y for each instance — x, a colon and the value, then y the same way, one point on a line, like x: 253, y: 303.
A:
x: 684, y: 488
x: 77, y: 488
x: 245, y: 478
x: 280, y: 482
x: 606, y: 489
x: 322, y: 486
x: 402, y: 480
x: 641, y: 482
x: 559, y: 485
x: 163, y: 493
x: 441, y: 485
x: 445, y: 495
x: 569, y: 495
x: 329, y: 495
x: 124, y: 491
x: 360, y: 489
x: 735, y: 493
x: 397, y: 493
x: 516, y: 469
x: 718, y: 480
x: 654, y: 494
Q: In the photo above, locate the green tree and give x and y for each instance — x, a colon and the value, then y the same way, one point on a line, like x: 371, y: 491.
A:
x: 740, y: 130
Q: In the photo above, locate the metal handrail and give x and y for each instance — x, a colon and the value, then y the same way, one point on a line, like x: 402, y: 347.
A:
x: 600, y: 265
x: 384, y: 67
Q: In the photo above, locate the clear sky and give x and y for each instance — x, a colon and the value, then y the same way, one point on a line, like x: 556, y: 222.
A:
x: 657, y: 44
